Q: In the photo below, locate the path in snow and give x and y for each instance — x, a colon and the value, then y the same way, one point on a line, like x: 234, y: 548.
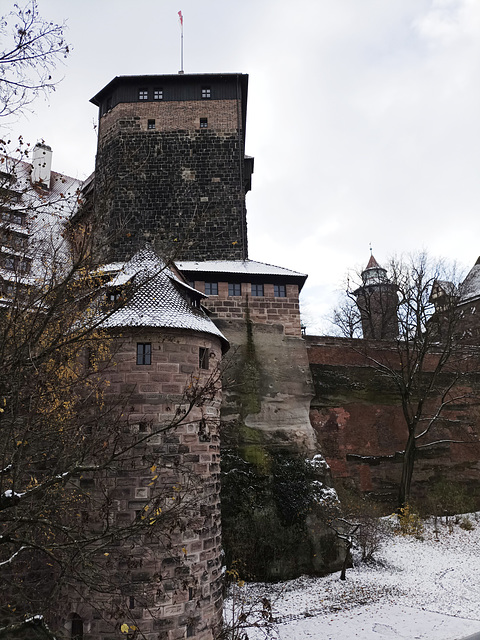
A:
x: 380, y: 622
x: 426, y: 589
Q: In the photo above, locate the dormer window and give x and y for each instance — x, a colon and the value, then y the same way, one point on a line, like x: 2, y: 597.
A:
x: 17, y: 218
x: 14, y: 263
x: 13, y: 238
x: 9, y: 263
x: 193, y: 300
x: 206, y: 93
x: 114, y: 295
x: 143, y: 94
x: 158, y: 94
x: 9, y: 195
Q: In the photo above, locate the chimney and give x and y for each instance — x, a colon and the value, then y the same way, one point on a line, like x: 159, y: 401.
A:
x: 41, y: 165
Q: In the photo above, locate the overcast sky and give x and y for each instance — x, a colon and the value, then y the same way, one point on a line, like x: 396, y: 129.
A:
x: 363, y: 117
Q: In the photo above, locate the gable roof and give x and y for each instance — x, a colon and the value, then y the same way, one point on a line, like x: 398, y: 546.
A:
x: 470, y: 287
x: 241, y: 267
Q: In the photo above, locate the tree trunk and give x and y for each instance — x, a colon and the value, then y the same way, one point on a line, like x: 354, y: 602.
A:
x: 407, y: 469
x: 343, y: 574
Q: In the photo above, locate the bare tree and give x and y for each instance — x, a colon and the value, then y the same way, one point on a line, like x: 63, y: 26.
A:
x: 346, y: 319
x: 67, y: 445
x: 427, y: 363
x: 32, y: 46
x: 67, y: 442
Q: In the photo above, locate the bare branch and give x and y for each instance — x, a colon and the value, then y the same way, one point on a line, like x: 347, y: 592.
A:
x: 32, y: 49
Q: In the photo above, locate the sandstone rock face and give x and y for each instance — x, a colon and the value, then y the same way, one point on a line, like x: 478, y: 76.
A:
x: 268, y: 445
x: 273, y: 388
x: 359, y: 424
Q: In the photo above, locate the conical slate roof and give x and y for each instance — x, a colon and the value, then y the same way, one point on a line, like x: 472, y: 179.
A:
x: 372, y: 263
x: 374, y: 273
x: 157, y: 297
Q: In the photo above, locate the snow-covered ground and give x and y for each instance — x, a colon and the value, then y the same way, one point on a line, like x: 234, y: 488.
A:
x: 421, y: 588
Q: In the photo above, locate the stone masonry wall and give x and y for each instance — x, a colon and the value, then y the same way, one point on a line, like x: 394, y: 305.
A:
x: 178, y: 576
x: 178, y: 186
x: 170, y: 116
x: 266, y: 309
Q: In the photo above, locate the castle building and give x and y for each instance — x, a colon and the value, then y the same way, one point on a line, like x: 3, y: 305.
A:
x: 377, y: 302
x: 171, y: 168
x: 35, y: 203
x: 171, y: 179
x: 168, y: 348
x: 172, y: 173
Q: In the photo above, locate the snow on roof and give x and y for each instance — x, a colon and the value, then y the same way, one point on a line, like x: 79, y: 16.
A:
x: 470, y: 287
x: 157, y: 299
x: 250, y: 267
x: 447, y: 287
x: 38, y: 213
x: 61, y: 197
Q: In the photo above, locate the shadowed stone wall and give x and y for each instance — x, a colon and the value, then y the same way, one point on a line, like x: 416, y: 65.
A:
x: 176, y: 185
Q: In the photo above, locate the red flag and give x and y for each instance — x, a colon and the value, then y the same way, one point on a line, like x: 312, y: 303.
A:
x: 180, y: 17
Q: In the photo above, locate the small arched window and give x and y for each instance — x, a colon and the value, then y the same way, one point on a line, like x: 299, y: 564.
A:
x: 77, y: 627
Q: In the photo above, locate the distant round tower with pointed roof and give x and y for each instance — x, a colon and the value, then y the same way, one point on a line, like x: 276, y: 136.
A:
x: 377, y: 301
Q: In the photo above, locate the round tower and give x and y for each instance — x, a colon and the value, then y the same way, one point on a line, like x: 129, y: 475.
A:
x: 166, y: 580
x: 377, y: 302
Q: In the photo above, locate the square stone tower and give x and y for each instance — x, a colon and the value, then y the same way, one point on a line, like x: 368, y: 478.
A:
x: 171, y: 167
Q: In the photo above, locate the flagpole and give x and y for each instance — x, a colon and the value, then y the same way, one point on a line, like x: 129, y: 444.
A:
x: 180, y: 16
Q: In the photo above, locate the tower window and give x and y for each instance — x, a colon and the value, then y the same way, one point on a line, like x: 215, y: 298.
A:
x: 211, y: 288
x: 279, y: 291
x: 257, y: 289
x: 131, y: 602
x: 77, y: 627
x: 143, y: 94
x: 206, y: 93
x: 203, y: 123
x: 144, y: 353
x: 158, y: 94
x: 203, y: 358
x: 234, y: 289
x: 151, y: 124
